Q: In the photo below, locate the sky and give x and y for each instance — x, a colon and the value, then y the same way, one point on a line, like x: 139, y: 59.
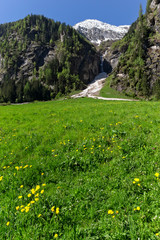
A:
x: 115, y: 12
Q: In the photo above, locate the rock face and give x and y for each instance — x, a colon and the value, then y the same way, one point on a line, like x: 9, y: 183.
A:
x: 97, y: 31
x: 138, y: 70
x: 40, y: 58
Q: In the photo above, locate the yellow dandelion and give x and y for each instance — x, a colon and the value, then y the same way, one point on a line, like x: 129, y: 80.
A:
x: 21, y: 186
x: 37, y: 195
x: 29, y: 195
x: 52, y: 208
x: 42, y: 173
x: 43, y: 184
x: 157, y: 234
x: 1, y: 178
x: 32, y: 202
x: 113, y: 216
x: 39, y: 215
x: 33, y: 191
x: 7, y: 224
x: 19, y: 197
x: 156, y: 174
x: 57, y: 210
x: 110, y: 212
x: 56, y: 235
x: 138, y: 208
x: 37, y: 188
x: 134, y: 182
x: 22, y: 210
x: 17, y: 208
x: 42, y: 191
x: 136, y: 179
x: 36, y: 199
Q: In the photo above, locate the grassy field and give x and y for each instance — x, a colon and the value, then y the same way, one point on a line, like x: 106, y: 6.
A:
x: 80, y: 169
x: 109, y: 92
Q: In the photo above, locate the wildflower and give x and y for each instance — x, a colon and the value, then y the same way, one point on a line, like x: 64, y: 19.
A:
x: 17, y: 208
x: 7, y: 224
x: 37, y: 188
x: 138, y: 208
x: 139, y: 184
x: 156, y: 174
x: 39, y: 215
x: 43, y: 184
x: 19, y: 197
x: 22, y: 210
x: 27, y: 209
x: 42, y: 191
x: 17, y: 168
x: 110, y: 212
x: 37, y: 195
x: 113, y: 216
x: 29, y: 195
x: 36, y: 199
x: 42, y: 173
x: 57, y: 210
x: 157, y: 234
x: 117, y: 212
x: 52, y: 208
x: 21, y: 186
x: 32, y: 202
x: 33, y: 191
x: 56, y: 235
x: 1, y: 178
x: 58, y: 187
x: 136, y: 179
x: 134, y: 182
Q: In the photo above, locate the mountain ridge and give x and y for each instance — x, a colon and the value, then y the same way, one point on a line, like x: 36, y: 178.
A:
x: 97, y: 31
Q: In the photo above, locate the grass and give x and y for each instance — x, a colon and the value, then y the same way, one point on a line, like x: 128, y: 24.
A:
x: 109, y: 92
x: 80, y: 169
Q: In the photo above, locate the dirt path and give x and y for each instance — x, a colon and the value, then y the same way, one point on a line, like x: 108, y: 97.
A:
x: 93, y: 89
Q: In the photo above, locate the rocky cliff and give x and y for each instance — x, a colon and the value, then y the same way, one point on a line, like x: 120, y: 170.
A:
x: 40, y: 58
x: 138, y: 70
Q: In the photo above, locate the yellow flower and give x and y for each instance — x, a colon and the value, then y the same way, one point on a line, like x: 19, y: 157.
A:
x: 157, y: 234
x: 39, y: 215
x: 113, y: 216
x: 139, y: 184
x: 56, y: 235
x: 57, y: 210
x: 156, y: 174
x: 1, y: 178
x: 17, y: 208
x: 21, y: 186
x: 27, y: 209
x: 134, y: 182
x: 37, y: 187
x: 22, y: 210
x: 136, y: 179
x: 138, y: 208
x: 33, y: 191
x: 36, y: 199
x: 19, y: 197
x: 117, y: 212
x: 110, y: 212
x: 17, y: 168
x: 37, y: 195
x: 32, y: 202
x: 42, y: 173
x: 43, y: 184
x: 42, y: 191
x: 29, y: 195
x: 52, y: 209
x: 7, y: 224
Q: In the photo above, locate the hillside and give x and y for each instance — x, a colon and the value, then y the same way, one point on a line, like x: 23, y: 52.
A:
x: 138, y: 69
x: 40, y: 58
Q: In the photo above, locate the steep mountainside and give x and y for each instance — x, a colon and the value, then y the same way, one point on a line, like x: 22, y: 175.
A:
x: 138, y: 70
x: 97, y: 31
x: 40, y: 58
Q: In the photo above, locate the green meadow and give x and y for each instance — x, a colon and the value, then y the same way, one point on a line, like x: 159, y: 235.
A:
x: 80, y: 169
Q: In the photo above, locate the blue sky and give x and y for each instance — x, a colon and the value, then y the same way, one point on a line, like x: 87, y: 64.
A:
x: 116, y: 12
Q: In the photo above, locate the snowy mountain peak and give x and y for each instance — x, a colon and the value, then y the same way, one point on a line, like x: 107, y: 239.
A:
x: 97, y: 31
